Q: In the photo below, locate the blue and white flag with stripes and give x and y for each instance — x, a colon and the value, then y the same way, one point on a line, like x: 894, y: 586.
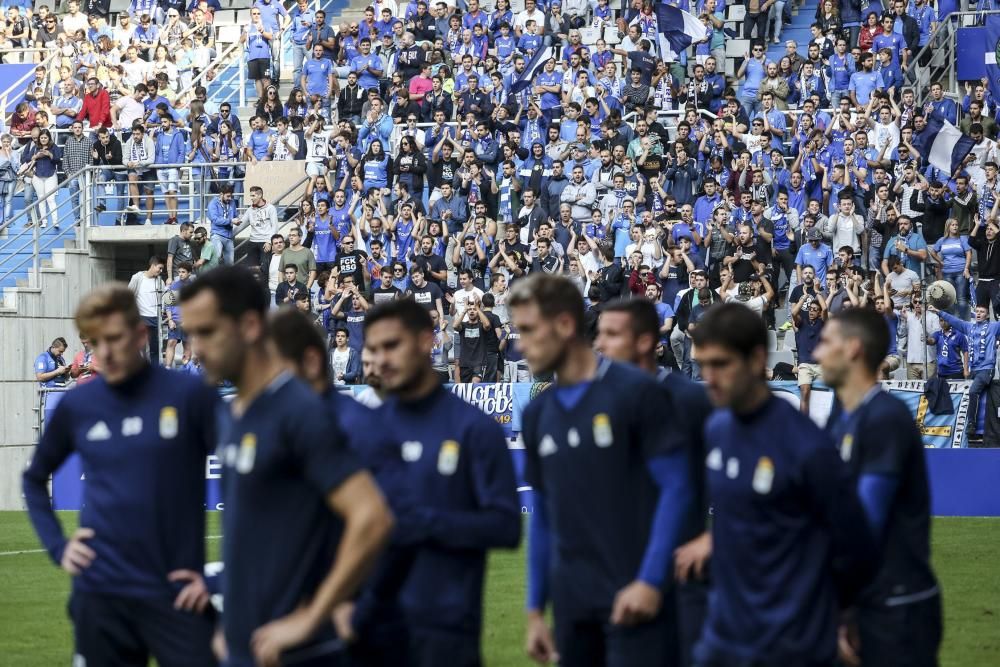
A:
x: 678, y: 30
x: 944, y: 146
x: 533, y: 67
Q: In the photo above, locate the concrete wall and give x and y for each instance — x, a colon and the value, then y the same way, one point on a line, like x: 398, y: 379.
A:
x: 29, y: 322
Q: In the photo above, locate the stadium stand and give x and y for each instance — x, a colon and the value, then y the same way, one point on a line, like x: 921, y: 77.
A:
x: 736, y: 145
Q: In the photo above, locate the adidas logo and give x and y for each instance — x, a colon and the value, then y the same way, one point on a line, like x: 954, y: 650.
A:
x: 98, y: 431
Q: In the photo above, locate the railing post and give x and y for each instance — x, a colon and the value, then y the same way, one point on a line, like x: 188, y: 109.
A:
x: 35, y: 280
x: 242, y: 78
x: 87, y: 199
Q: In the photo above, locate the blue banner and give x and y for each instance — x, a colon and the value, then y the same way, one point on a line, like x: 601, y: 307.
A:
x: 962, y: 482
x: 992, y: 47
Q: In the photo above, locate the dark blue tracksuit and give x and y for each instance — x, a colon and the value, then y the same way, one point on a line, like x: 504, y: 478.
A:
x: 142, y: 445
x: 465, y: 502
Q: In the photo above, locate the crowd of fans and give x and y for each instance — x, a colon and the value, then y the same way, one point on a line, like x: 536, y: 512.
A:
x: 452, y: 150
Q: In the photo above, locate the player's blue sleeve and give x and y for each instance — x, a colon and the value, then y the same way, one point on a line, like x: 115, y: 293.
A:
x: 876, y: 493
x: 539, y: 555
x: 497, y: 520
x: 53, y: 449
x: 672, y: 475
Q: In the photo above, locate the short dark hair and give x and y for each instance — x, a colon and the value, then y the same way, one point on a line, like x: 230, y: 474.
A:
x: 732, y: 326
x: 293, y: 333
x: 554, y: 295
x: 641, y: 313
x: 236, y: 290
x: 869, y: 327
x: 408, y: 312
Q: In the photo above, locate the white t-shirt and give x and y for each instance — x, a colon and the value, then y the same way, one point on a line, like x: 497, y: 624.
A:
x: 462, y: 297
x: 755, y: 303
x: 339, y: 359
x: 916, y: 338
x: 273, y: 275
x: 129, y: 110
x: 283, y: 152
x: 318, y: 146
x: 146, y: 297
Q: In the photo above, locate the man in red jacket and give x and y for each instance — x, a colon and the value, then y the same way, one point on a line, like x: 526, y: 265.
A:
x: 96, y: 105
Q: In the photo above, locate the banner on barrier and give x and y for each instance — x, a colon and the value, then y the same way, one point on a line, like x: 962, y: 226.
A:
x: 505, y: 402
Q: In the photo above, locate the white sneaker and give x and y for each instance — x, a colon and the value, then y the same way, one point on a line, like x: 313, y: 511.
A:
x: 132, y: 208
x: 149, y: 221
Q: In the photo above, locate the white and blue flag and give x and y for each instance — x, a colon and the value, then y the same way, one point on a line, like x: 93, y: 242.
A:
x: 678, y: 30
x: 944, y: 146
x: 533, y: 67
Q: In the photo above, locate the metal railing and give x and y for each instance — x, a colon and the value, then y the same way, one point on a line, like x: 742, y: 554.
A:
x: 14, y: 89
x: 234, y: 54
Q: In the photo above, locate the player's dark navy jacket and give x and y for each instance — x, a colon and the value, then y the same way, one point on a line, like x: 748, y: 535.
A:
x: 600, y: 530
x: 282, y: 457
x: 880, y: 439
x: 462, y: 475
x: 142, y: 445
x: 786, y: 517
x: 378, y: 620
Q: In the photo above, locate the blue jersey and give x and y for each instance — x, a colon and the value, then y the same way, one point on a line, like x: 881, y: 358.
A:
x: 282, y: 458
x: 458, y: 466
x: 142, y: 445
x: 324, y: 246
x: 46, y: 363
x: 587, y: 457
x: 950, y: 347
x: 317, y: 74
x: 982, y: 339
x: 880, y: 438
x: 782, y: 508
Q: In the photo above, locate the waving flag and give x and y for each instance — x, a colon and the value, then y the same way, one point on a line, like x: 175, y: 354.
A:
x: 533, y: 67
x: 944, y: 146
x: 678, y: 30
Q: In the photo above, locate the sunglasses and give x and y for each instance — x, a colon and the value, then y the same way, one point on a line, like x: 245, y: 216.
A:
x: 398, y: 270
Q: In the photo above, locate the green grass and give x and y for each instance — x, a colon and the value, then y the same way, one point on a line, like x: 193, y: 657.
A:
x: 34, y: 630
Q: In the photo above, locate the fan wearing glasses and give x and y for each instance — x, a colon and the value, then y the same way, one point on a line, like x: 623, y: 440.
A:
x: 752, y: 71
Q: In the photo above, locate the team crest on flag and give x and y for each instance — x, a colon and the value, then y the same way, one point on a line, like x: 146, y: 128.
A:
x: 168, y: 423
x: 603, y: 435
x: 763, y: 475
x: 247, y: 453
x: 448, y: 457
x: 846, y: 447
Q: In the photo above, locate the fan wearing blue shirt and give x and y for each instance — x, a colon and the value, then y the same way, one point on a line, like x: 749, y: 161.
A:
x: 898, y: 615
x: 892, y: 41
x: 952, y: 352
x: 317, y: 75
x: 816, y: 254
x: 594, y: 455
x: 142, y: 434
x: 368, y: 67
x: 287, y: 472
x: 51, y: 369
x: 786, y: 516
x: 628, y: 331
x: 862, y: 84
x: 461, y: 475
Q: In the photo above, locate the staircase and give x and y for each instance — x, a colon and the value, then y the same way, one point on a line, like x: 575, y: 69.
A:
x: 803, y: 16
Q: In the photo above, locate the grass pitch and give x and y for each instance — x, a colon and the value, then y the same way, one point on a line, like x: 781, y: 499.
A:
x: 35, y: 632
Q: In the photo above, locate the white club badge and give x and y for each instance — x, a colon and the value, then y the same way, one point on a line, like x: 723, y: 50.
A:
x: 847, y: 447
x: 714, y: 459
x: 603, y: 435
x: 448, y: 457
x: 412, y: 451
x: 733, y: 468
x: 247, y: 454
x: 547, y: 447
x: 573, y: 438
x: 763, y: 475
x: 168, y: 423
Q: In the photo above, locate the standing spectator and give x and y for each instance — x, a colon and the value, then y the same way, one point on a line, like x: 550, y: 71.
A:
x: 258, y: 39
x: 96, y: 105
x: 222, y: 215
x: 179, y: 250
x: 51, y: 369
x: 41, y: 158
x: 317, y: 78
x: 807, y: 334
x: 147, y: 286
x: 303, y: 18
x: 908, y: 245
x: 301, y: 256
x: 275, y: 19
x: 85, y: 367
x: 107, y: 152
x: 175, y: 334
x: 344, y: 360
x: 76, y: 156
x: 288, y: 290
x: 263, y: 220
x: 952, y: 360
x: 169, y: 151
x: 920, y: 329
x: 982, y: 337
x: 816, y: 254
x: 138, y: 153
